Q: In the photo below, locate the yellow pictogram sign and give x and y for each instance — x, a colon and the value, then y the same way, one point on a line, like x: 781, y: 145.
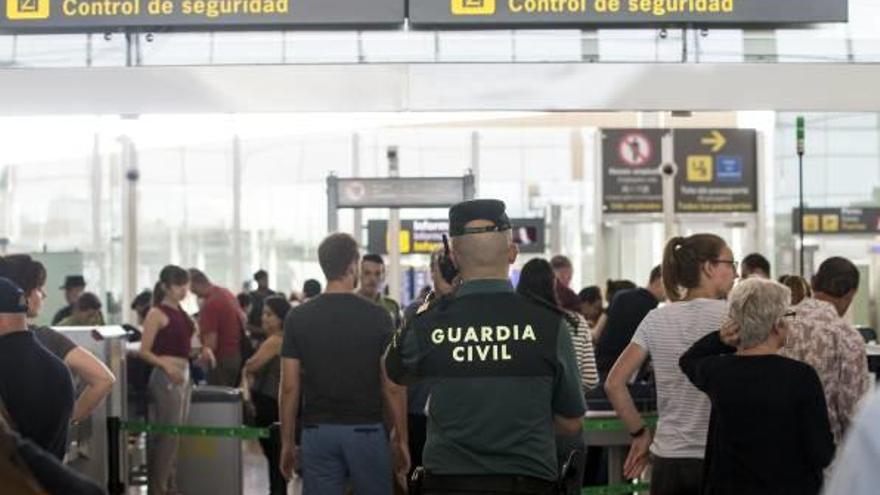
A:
x: 699, y: 168
x: 17, y: 10
x: 811, y: 223
x: 472, y: 7
x: 830, y: 223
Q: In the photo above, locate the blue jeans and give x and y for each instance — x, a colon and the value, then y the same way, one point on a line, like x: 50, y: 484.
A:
x: 331, y: 455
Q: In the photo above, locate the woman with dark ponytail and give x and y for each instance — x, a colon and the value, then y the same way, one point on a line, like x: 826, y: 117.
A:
x: 166, y: 344
x: 698, y: 272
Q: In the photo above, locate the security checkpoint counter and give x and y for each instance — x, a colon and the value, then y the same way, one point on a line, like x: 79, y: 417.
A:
x: 873, y: 352
x: 604, y: 429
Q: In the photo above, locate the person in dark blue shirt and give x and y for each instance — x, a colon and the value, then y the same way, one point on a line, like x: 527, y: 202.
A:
x: 35, y: 386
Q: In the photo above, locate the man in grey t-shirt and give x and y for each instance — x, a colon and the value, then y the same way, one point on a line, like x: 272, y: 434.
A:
x: 332, y: 354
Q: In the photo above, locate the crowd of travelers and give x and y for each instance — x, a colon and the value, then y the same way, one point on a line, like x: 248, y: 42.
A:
x: 761, y: 386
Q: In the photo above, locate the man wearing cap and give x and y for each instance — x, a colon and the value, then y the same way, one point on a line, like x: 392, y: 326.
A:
x: 74, y: 286
x: 27, y: 367
x: 502, y: 369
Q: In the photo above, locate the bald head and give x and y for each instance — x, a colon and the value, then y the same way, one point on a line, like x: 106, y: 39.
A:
x: 484, y: 255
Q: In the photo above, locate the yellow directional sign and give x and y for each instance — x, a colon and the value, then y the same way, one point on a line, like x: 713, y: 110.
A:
x: 716, y: 140
x: 27, y: 9
x: 473, y: 7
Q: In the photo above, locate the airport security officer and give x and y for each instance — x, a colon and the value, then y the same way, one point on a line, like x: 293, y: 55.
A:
x: 502, y: 369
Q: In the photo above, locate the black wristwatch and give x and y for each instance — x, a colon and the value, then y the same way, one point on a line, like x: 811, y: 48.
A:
x: 641, y: 431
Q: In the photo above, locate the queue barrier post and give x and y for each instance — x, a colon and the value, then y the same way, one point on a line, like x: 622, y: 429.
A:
x: 115, y: 486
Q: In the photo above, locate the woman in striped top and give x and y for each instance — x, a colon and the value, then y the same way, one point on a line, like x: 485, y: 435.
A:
x: 698, y: 272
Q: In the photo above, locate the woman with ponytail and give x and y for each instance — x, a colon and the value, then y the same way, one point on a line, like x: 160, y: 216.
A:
x: 698, y: 272
x: 166, y: 344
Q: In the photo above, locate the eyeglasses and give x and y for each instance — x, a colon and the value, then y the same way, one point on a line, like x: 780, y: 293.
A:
x: 733, y: 263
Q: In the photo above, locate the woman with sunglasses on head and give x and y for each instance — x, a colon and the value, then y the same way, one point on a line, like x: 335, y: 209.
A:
x: 166, y: 344
x: 769, y: 430
x: 697, y: 272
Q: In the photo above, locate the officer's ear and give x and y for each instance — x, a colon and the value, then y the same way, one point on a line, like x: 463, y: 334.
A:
x: 512, y: 253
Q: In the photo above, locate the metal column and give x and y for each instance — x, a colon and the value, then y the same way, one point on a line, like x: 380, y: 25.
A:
x: 555, y: 229
x: 98, y: 251
x: 393, y: 271
x: 600, y: 270
x: 669, y: 170
x: 237, y: 276
x: 357, y: 227
x: 129, y: 164
x: 475, y: 159
x: 332, y: 204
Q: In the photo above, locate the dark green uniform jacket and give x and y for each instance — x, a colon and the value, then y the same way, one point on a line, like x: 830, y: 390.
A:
x: 500, y: 367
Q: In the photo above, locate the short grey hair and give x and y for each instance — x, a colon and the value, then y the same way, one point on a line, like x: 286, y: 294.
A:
x: 756, y: 305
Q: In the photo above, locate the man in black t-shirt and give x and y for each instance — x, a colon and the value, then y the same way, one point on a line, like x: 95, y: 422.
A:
x: 35, y: 386
x: 331, y: 356
x: 618, y: 325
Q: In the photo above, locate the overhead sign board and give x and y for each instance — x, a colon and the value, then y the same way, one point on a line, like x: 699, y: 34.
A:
x: 561, y: 13
x: 425, y: 236
x: 417, y: 192
x: 717, y: 170
x: 631, y: 181
x: 837, y: 221
x: 81, y: 15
